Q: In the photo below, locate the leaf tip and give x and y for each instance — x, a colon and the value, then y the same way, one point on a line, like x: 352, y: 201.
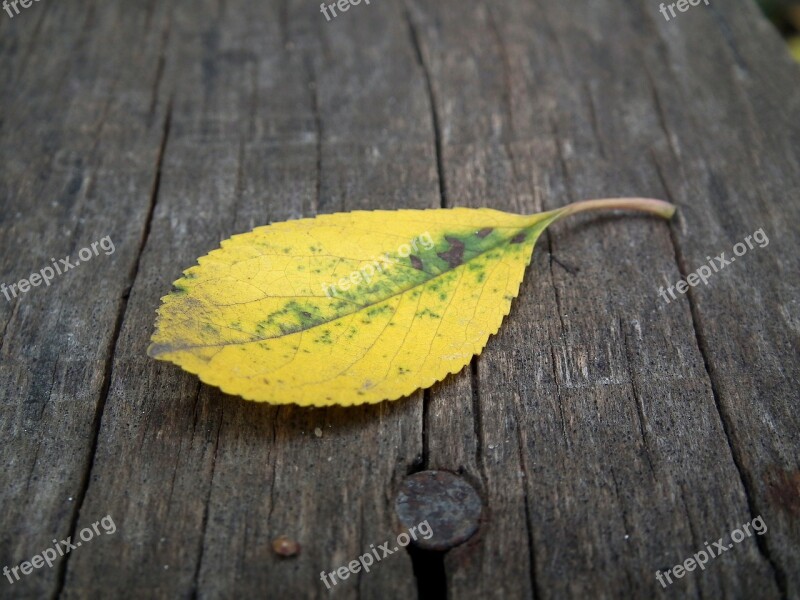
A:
x: 155, y: 350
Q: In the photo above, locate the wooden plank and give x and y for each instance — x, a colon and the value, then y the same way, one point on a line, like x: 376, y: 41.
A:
x: 600, y: 426
x: 746, y: 322
x: 265, y: 123
x: 610, y: 434
x: 79, y: 143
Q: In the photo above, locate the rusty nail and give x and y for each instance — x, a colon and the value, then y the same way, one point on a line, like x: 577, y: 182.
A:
x: 450, y: 505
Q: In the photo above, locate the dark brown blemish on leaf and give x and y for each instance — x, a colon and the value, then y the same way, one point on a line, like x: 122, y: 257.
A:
x: 455, y: 255
x: 484, y: 232
x: 416, y: 262
x: 519, y: 238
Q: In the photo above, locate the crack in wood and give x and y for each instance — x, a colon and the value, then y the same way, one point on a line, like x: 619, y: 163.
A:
x: 109, y: 363
x: 437, y: 133
x: 725, y: 419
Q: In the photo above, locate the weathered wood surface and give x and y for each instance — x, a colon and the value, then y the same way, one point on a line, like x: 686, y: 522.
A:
x: 610, y: 434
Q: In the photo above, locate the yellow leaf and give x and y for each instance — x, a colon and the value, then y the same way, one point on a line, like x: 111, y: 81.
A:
x: 354, y: 307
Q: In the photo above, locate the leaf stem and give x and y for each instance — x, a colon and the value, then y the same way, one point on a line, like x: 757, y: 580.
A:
x: 648, y: 205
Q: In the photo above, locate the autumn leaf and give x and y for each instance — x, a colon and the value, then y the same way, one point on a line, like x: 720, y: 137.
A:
x: 351, y: 308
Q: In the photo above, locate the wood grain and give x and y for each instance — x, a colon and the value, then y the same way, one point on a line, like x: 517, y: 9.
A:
x: 609, y: 434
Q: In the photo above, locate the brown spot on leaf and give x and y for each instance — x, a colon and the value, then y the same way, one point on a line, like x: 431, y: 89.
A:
x: 416, y: 262
x: 484, y: 232
x: 455, y: 255
x: 519, y: 238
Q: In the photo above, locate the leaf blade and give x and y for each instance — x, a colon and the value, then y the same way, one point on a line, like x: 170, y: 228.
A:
x: 271, y: 314
x: 465, y: 243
